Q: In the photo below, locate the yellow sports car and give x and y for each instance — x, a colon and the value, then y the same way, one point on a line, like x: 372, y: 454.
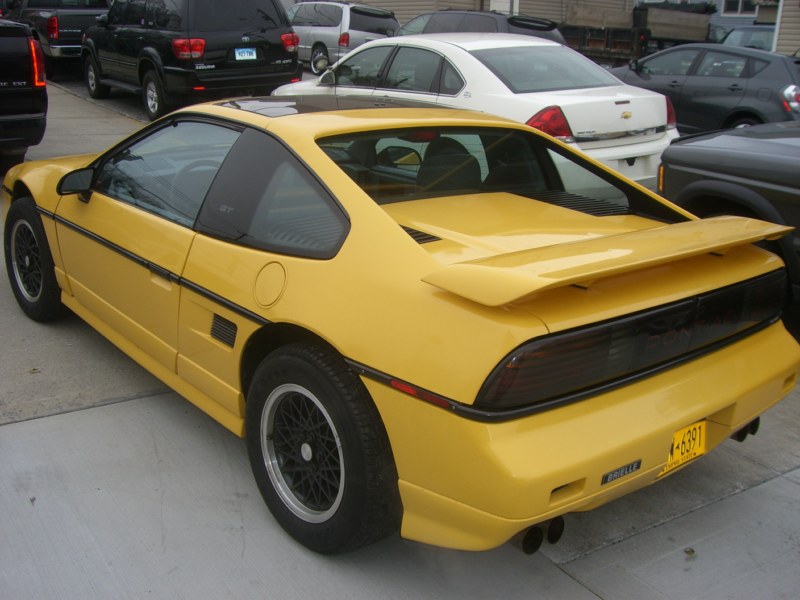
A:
x: 423, y: 320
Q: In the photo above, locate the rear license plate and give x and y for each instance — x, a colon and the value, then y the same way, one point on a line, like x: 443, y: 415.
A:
x: 245, y: 53
x: 687, y: 444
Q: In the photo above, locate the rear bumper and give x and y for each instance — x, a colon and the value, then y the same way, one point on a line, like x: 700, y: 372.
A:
x: 66, y: 51
x: 184, y: 82
x: 473, y: 486
x: 637, y: 161
x: 18, y: 132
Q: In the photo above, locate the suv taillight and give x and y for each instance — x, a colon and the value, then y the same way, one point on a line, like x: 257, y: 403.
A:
x: 672, y: 121
x: 552, y: 121
x: 791, y: 98
x: 188, y: 48
x: 344, y: 40
x: 37, y: 63
x: 51, y: 28
x: 290, y: 41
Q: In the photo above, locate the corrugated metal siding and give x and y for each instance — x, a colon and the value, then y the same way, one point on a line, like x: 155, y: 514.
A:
x: 789, y: 29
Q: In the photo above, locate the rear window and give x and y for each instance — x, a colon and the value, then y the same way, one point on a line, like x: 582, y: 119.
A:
x: 373, y: 21
x: 244, y: 15
x: 535, y: 69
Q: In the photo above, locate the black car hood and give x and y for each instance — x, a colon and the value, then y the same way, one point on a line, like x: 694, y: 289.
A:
x: 769, y: 138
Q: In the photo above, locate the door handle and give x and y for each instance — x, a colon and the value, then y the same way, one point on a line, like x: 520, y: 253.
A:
x: 735, y: 87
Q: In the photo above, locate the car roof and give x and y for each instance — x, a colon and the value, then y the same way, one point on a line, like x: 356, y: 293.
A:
x: 318, y: 112
x: 469, y: 41
x: 754, y: 52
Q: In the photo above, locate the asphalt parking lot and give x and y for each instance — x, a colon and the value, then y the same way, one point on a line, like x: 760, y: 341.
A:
x: 112, y: 486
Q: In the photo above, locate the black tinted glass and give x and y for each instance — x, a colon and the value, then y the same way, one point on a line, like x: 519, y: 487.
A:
x: 246, y: 15
x: 372, y: 21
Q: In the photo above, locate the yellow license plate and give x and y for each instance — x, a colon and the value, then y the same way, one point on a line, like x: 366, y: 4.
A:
x: 687, y: 444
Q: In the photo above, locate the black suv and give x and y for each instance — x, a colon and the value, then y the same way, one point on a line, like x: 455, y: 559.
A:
x: 189, y: 50
x: 23, y: 92
x: 449, y: 21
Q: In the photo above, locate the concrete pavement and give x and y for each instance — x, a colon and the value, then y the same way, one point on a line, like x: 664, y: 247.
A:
x: 111, y: 486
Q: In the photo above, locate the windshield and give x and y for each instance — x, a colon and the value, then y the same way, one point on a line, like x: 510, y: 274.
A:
x: 528, y: 69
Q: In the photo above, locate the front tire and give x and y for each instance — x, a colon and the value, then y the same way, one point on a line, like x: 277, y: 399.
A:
x: 319, y: 452
x: 153, y: 97
x: 91, y: 75
x: 29, y: 263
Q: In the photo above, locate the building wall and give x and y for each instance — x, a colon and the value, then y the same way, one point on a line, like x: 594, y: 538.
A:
x: 788, y: 28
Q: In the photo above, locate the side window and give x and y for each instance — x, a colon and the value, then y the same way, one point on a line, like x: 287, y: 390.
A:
x: 327, y: 15
x: 363, y: 69
x: 672, y: 63
x: 721, y: 64
x: 582, y: 185
x: 478, y: 23
x: 443, y: 23
x: 451, y: 81
x: 163, y: 15
x: 169, y: 171
x: 116, y: 14
x: 413, y: 69
x: 135, y: 13
x: 265, y: 198
x: 416, y: 25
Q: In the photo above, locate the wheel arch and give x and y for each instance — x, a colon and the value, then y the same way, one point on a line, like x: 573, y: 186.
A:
x: 743, y: 113
x: 268, y: 339
x: 708, y: 198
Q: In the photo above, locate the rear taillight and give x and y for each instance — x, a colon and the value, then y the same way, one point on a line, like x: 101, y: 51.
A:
x: 672, y: 122
x: 51, y: 28
x: 791, y: 98
x: 37, y: 63
x: 188, y: 48
x: 584, y: 361
x: 344, y: 40
x: 552, y: 121
x: 290, y: 41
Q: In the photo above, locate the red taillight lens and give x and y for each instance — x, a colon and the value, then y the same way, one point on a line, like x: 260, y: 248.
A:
x: 37, y: 62
x: 672, y: 122
x: 344, y: 40
x: 791, y: 98
x: 552, y: 121
x: 51, y: 28
x: 290, y: 41
x: 188, y: 48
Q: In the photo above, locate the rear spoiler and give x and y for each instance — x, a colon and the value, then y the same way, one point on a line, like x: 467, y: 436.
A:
x: 499, y: 280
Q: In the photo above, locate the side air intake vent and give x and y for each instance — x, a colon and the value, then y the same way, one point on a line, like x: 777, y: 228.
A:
x: 224, y: 330
x: 420, y: 236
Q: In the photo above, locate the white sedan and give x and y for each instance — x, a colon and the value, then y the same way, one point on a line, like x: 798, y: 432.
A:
x: 531, y: 80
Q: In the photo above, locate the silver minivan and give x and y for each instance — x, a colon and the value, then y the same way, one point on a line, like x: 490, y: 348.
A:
x: 331, y: 29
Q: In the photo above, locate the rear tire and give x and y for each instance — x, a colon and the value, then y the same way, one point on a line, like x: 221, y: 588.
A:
x: 319, y: 452
x: 317, y: 52
x: 29, y: 263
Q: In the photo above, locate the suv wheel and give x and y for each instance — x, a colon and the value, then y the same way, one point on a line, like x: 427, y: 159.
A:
x: 318, y: 52
x: 155, y: 104
x: 91, y: 75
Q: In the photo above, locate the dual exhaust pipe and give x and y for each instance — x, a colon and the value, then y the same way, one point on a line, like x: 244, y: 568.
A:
x: 530, y: 540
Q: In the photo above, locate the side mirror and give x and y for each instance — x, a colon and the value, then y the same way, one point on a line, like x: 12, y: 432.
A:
x: 77, y: 182
x: 633, y: 65
x: 328, y: 78
x: 102, y: 20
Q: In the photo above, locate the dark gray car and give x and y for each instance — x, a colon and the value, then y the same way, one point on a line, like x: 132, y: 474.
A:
x: 751, y: 171
x: 716, y: 87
